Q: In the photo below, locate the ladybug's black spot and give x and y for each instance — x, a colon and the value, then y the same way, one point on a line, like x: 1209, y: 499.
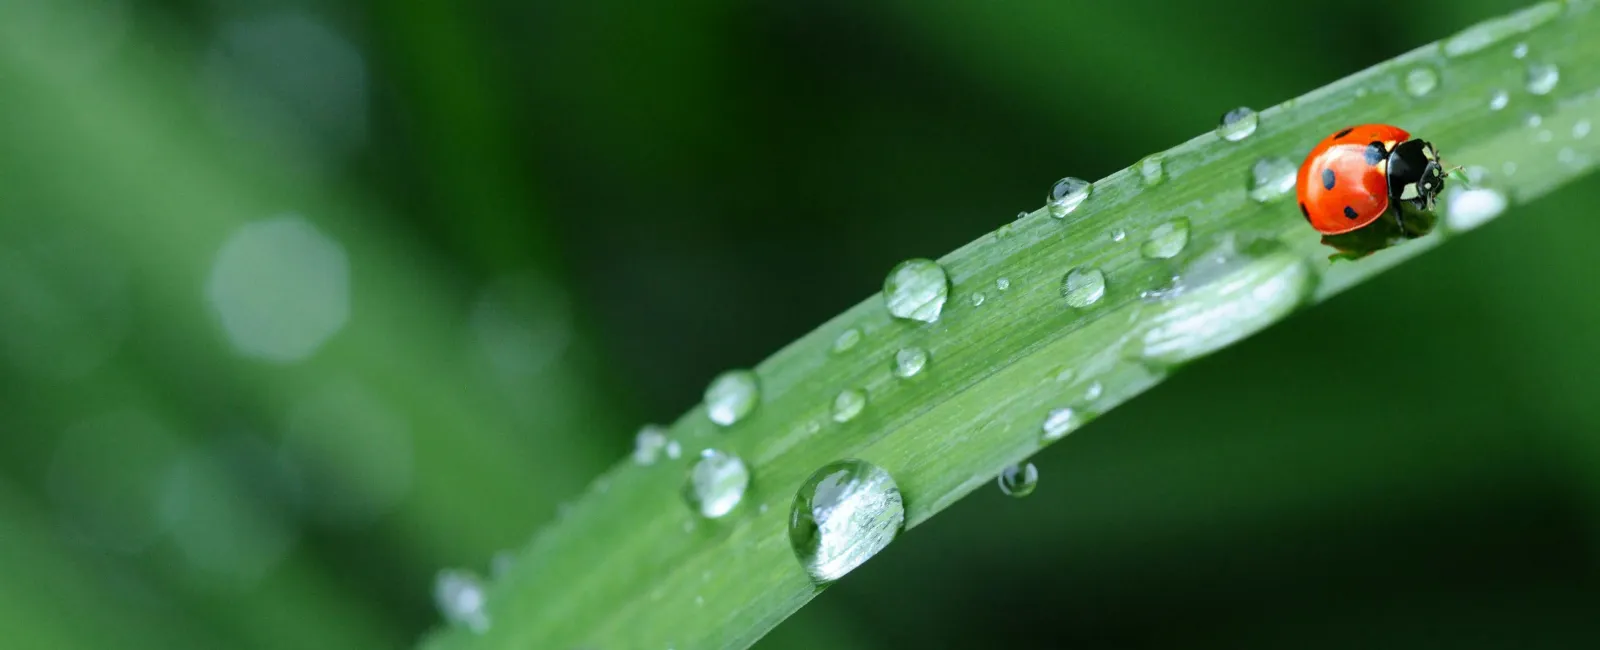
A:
x: 1376, y: 153
x: 1327, y: 179
x: 1350, y: 213
x: 1305, y: 212
x: 1342, y: 134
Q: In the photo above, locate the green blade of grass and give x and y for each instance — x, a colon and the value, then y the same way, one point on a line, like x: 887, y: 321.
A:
x: 629, y: 566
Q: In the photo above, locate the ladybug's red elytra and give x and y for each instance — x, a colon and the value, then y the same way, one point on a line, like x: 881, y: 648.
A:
x: 1371, y: 177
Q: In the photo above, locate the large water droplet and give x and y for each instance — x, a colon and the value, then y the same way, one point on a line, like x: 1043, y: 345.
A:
x: 916, y: 289
x: 1421, y: 81
x: 1083, y: 287
x: 461, y: 599
x: 1153, y: 170
x: 1018, y: 480
x: 1167, y: 240
x: 1066, y: 195
x: 1542, y: 78
x: 648, y: 443
x: 1468, y: 209
x: 732, y: 396
x: 1499, y: 100
x: 716, y: 483
x: 909, y: 362
x: 1060, y: 422
x: 847, y: 339
x: 844, y: 514
x: 1272, y: 179
x: 1238, y: 124
x: 848, y: 404
x: 1226, y: 297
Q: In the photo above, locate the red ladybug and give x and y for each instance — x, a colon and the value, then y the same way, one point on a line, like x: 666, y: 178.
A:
x: 1367, y: 187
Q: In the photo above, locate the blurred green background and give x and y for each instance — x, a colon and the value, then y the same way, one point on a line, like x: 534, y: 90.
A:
x: 301, y: 302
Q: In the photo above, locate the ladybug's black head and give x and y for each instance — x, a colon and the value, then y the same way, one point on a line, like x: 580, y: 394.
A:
x: 1415, y: 175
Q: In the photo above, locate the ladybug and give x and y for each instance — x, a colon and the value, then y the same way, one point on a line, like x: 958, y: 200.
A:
x: 1368, y: 187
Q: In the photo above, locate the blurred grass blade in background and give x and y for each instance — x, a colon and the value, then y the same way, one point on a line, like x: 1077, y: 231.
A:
x: 970, y: 364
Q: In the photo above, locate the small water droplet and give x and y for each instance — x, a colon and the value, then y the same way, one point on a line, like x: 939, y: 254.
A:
x: 762, y: 509
x: 1066, y: 375
x: 1066, y: 195
x: 461, y: 598
x: 1005, y: 283
x: 648, y: 443
x: 1153, y: 170
x: 844, y: 514
x: 1421, y: 81
x: 1468, y: 209
x: 1119, y: 234
x: 910, y: 361
x: 813, y: 426
x: 1499, y: 100
x: 1018, y: 480
x: 1580, y: 129
x: 1061, y: 422
x: 1542, y: 78
x: 699, y: 601
x: 1509, y: 168
x: 848, y: 404
x: 977, y: 299
x: 1167, y: 240
x: 916, y: 289
x: 716, y: 483
x: 847, y: 339
x: 732, y: 396
x: 674, y: 450
x: 1094, y: 391
x: 1238, y: 124
x: 1021, y: 216
x: 1083, y: 287
x: 1272, y: 179
x: 501, y: 564
x: 1520, y: 51
x: 1567, y: 156
x: 1227, y: 296
x: 1533, y: 120
x: 1544, y: 135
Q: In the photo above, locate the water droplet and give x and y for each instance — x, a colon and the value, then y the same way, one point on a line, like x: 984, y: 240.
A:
x: 909, y: 362
x: 1005, y: 283
x: 1066, y: 375
x: 1499, y: 100
x: 1167, y: 240
x: 1018, y: 480
x: 1544, y: 135
x: 1238, y: 124
x: 1119, y: 234
x: 1421, y: 81
x: 648, y: 443
x: 977, y: 299
x: 1542, y: 78
x: 1580, y: 129
x: 847, y: 339
x: 1061, y: 422
x: 1227, y: 297
x: 1468, y: 209
x: 1021, y: 216
x: 1153, y: 170
x: 844, y: 514
x: 1567, y: 156
x: 1520, y: 51
x: 461, y: 599
x: 848, y: 404
x: 916, y: 289
x: 716, y: 483
x: 1094, y: 391
x: 1509, y: 168
x: 1272, y: 178
x: 1066, y: 195
x: 1083, y: 287
x: 1533, y: 120
x: 699, y: 601
x: 674, y: 450
x: 501, y: 564
x: 732, y: 396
